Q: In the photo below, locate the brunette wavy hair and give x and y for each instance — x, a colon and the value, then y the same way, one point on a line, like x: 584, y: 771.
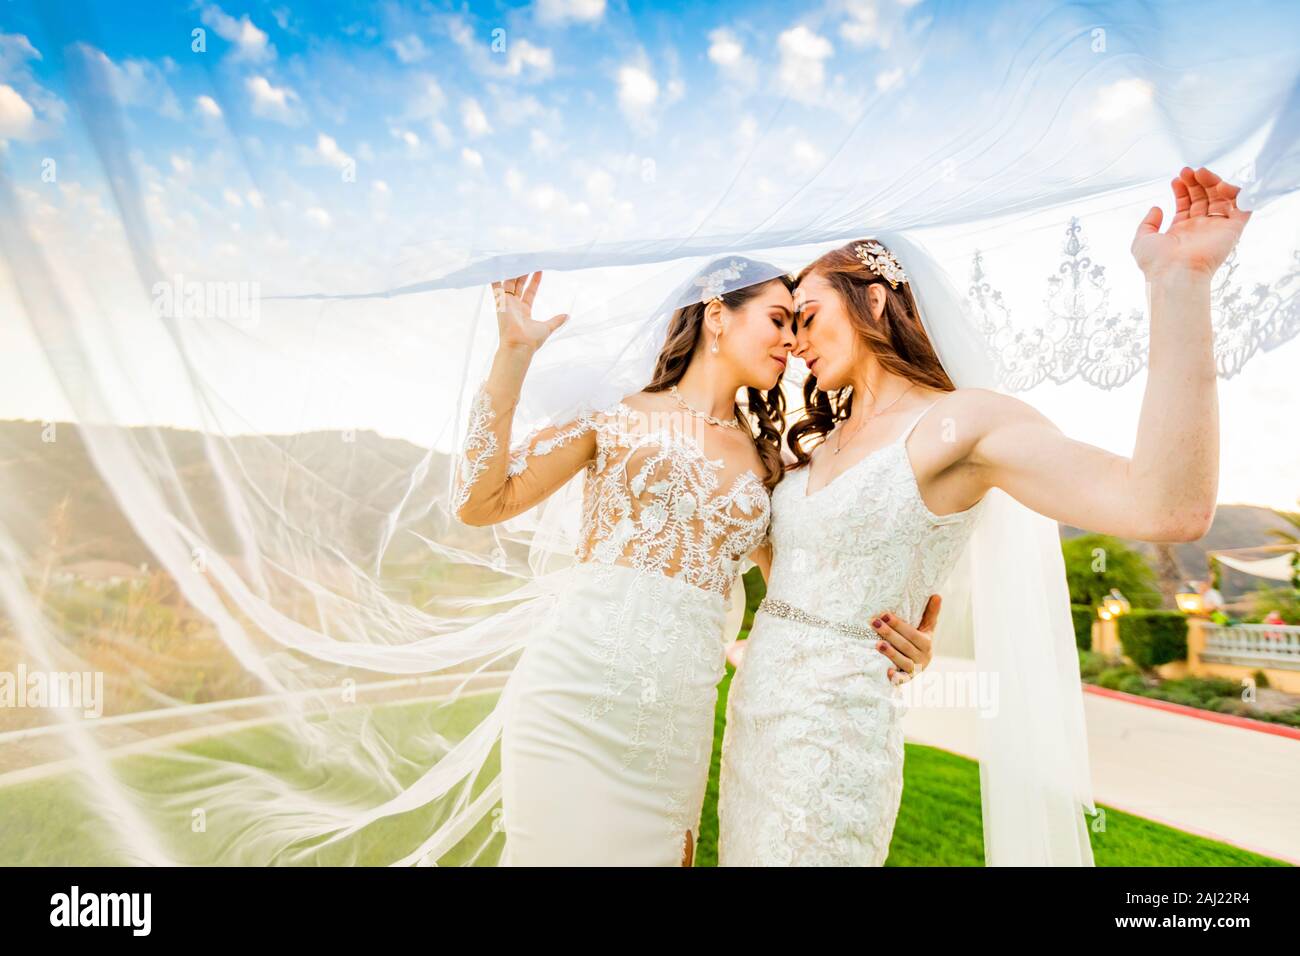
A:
x: 763, y: 412
x: 897, y: 341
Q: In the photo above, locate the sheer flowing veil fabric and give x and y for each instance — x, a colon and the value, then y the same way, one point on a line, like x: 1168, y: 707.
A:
x: 1008, y: 593
x: 240, y: 622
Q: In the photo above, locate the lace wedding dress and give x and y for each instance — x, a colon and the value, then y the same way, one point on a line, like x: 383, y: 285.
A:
x: 812, y: 758
x: 608, y: 728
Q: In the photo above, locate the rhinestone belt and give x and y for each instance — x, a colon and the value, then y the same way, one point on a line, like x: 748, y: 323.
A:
x: 778, y: 608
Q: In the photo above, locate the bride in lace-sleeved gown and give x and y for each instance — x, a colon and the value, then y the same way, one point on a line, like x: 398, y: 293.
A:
x: 608, y: 727
x: 812, y: 755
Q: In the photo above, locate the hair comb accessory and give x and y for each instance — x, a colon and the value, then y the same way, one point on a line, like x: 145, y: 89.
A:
x: 714, y: 284
x: 880, y: 261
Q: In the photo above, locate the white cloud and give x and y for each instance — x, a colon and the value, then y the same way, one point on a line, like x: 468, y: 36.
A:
x: 1122, y: 98
x: 802, y: 73
x: 474, y: 119
x: 559, y: 11
x: 138, y: 83
x: 728, y: 53
x: 547, y: 199
x: 509, y: 108
x: 408, y: 137
x: 17, y: 119
x: 250, y: 43
x: 888, y: 79
x: 724, y: 49
x: 442, y: 134
x: 521, y: 55
x: 637, y: 93
x: 233, y: 198
x: 271, y: 102
x: 427, y: 99
x: 319, y: 217
x: 25, y: 95
x: 15, y: 50
x: 862, y: 28
x: 327, y: 153
x: 254, y: 199
x: 207, y: 106
x: 806, y: 155
x: 600, y: 186
x: 873, y: 23
x: 471, y: 158
x: 409, y: 49
x: 522, y: 58
x: 544, y: 196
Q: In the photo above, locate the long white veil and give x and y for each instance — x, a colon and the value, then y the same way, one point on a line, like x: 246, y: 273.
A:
x: 240, y: 624
x: 1008, y: 592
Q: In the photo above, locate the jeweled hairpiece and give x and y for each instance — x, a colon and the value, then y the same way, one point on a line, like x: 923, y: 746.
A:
x: 714, y: 284
x: 880, y: 261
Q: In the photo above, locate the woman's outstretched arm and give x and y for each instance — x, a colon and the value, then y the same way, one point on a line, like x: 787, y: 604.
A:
x: 1167, y: 490
x: 495, y: 481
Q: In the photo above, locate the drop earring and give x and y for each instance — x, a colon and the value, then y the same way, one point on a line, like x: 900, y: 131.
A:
x: 714, y: 350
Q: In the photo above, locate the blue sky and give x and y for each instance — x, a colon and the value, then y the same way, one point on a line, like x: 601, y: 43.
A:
x: 354, y: 145
x: 502, y: 127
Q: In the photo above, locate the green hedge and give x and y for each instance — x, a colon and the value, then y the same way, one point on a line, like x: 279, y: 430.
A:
x: 1151, y: 638
x: 1083, y: 615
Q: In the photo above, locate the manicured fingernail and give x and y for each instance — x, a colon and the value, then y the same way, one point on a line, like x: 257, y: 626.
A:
x: 880, y: 646
x: 884, y: 617
x: 876, y: 623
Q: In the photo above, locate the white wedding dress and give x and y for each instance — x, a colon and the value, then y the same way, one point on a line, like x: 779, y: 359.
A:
x: 812, y: 758
x: 609, y: 720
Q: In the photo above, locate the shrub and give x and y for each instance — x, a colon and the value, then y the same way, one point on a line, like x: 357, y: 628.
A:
x: 1092, y: 663
x: 1151, y: 638
x: 1083, y: 615
x: 1112, y: 677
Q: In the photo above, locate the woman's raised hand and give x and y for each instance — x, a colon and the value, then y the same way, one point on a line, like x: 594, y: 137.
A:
x: 1205, y: 227
x: 514, y: 302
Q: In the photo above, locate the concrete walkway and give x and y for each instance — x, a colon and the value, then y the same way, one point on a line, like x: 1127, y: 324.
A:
x: 1227, y: 783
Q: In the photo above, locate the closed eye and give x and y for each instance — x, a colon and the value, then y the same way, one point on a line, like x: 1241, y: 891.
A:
x: 802, y: 313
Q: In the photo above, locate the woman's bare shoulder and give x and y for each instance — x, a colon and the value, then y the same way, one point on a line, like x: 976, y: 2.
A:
x: 981, y: 409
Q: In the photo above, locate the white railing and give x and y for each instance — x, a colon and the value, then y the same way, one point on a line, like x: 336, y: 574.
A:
x: 1268, y: 645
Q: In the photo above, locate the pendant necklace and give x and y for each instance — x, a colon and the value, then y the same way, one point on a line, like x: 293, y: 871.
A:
x: 839, y: 431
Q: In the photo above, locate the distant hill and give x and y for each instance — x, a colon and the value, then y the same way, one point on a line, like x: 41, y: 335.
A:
x: 1235, y: 526
x: 53, y: 496
x: 304, y: 477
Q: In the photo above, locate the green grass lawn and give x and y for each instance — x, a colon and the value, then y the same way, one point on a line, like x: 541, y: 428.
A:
x: 52, y: 822
x: 47, y: 821
x: 939, y: 823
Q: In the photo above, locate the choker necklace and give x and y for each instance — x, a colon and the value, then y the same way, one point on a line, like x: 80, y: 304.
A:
x: 838, y: 434
x: 725, y: 423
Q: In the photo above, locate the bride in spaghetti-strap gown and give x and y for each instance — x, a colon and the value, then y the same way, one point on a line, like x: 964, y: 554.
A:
x: 812, y: 766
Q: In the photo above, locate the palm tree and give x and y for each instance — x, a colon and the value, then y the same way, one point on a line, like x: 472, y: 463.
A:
x: 1292, y: 538
x: 1169, y: 573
